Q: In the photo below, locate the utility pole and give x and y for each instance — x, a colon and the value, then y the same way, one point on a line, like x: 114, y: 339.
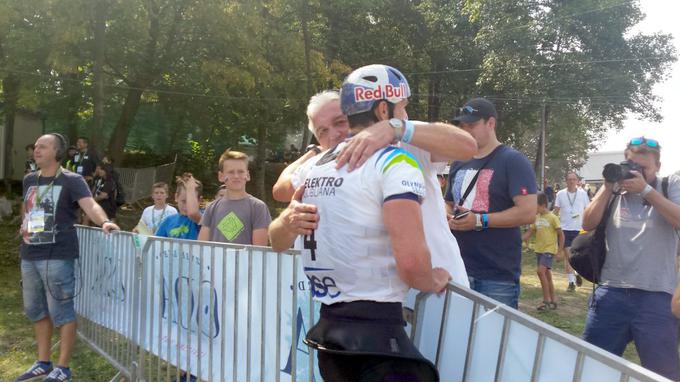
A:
x: 542, y: 156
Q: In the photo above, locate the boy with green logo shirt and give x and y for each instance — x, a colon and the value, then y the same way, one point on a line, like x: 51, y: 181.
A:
x: 237, y: 217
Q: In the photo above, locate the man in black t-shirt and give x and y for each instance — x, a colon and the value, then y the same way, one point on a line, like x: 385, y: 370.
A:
x: 85, y: 160
x: 51, y: 198
x: 501, y: 198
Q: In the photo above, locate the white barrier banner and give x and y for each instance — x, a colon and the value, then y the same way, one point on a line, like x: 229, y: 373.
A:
x: 106, y: 276
x: 185, y: 318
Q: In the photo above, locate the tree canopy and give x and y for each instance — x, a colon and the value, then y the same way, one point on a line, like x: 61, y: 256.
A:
x: 195, y: 76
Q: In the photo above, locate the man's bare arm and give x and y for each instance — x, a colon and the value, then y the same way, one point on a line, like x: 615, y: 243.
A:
x: 283, y: 189
x: 95, y: 212
x: 404, y: 223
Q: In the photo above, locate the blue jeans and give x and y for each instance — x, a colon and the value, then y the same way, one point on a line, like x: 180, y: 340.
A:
x: 505, y: 292
x: 618, y: 316
x: 48, y: 287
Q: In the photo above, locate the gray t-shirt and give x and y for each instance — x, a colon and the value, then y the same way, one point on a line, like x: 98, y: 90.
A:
x: 233, y: 221
x: 641, y: 244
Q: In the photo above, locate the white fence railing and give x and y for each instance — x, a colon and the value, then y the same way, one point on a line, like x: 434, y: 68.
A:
x: 156, y: 308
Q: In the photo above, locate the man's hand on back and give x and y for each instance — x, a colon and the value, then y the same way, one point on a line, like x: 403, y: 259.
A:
x: 364, y: 144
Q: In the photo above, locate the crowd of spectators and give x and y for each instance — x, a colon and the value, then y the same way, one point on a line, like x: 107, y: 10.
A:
x: 471, y: 217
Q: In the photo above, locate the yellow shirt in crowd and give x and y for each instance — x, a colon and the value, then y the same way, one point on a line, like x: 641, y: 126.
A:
x: 546, y: 227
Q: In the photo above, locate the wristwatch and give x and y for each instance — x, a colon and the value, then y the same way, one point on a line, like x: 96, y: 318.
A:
x: 478, y: 222
x: 398, y: 127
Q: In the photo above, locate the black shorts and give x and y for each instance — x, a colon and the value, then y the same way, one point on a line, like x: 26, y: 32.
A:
x: 366, y: 368
x: 569, y: 236
x: 365, y: 341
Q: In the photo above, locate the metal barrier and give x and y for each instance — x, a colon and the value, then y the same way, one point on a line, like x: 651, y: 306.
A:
x: 471, y: 337
x: 137, y: 182
x: 156, y: 308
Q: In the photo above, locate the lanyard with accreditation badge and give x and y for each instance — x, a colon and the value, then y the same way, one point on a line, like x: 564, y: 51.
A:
x: 36, y: 217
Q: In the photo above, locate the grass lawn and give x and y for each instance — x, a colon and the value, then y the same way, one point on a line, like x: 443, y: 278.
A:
x: 572, y: 307
x: 17, y: 348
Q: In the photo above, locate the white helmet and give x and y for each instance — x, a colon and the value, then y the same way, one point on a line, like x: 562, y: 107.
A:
x: 368, y: 84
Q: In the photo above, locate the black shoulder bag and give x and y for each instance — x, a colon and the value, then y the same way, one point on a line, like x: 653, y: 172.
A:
x: 589, y: 250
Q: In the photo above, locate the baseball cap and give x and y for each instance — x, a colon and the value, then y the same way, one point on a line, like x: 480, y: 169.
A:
x: 474, y: 110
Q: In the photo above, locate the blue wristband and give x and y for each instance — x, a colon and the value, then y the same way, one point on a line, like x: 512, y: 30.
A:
x: 485, y: 221
x: 409, y: 128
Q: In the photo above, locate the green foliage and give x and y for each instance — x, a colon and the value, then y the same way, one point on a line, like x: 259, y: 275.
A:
x: 220, y: 70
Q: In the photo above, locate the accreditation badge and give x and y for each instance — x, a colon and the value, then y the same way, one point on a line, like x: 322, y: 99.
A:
x: 36, y: 221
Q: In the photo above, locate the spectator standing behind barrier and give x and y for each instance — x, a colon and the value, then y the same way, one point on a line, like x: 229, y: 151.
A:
x: 329, y: 126
x: 69, y: 161
x: 238, y: 217
x: 185, y: 224
x: 549, y: 242
x: 85, y: 160
x: 30, y: 165
x: 366, y: 246
x: 633, y: 300
x: 569, y: 205
x: 104, y: 189
x: 152, y: 216
x: 51, y: 197
x: 550, y: 193
x: 489, y: 198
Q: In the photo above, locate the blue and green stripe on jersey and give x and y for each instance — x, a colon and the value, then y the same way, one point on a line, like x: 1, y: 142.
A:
x: 397, y: 155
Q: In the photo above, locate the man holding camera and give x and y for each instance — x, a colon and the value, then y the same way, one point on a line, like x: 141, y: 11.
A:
x: 633, y: 300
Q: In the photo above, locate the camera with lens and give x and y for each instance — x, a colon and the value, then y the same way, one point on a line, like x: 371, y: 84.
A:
x: 616, y: 172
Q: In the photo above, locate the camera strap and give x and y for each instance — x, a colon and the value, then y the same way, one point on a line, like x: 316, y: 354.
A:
x: 474, y: 179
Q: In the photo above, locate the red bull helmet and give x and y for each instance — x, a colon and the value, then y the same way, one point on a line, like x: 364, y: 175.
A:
x: 369, y: 84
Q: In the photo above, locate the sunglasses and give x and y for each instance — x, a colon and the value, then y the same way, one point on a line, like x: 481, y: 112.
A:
x: 651, y: 143
x: 469, y: 110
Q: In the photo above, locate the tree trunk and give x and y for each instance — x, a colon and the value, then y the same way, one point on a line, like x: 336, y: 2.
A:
x: 73, y: 93
x: 433, y: 92
x: 99, y: 52
x: 261, y: 161
x: 10, y: 87
x: 304, y: 13
x: 122, y: 129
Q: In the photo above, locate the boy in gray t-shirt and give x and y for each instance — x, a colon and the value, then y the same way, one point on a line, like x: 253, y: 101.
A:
x: 238, y: 217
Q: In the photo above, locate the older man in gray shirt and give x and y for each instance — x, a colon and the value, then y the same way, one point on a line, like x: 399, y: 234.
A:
x: 633, y: 300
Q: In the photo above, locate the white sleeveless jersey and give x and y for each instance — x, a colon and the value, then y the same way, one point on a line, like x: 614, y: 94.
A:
x: 443, y: 246
x: 349, y: 256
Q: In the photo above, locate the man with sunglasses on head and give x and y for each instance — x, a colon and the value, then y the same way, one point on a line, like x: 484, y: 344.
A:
x: 489, y: 197
x: 633, y: 300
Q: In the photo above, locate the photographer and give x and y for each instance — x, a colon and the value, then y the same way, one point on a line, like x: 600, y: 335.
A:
x: 633, y: 300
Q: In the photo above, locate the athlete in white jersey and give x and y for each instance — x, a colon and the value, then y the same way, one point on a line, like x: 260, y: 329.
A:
x: 442, y: 244
x: 349, y: 256
x: 366, y: 247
